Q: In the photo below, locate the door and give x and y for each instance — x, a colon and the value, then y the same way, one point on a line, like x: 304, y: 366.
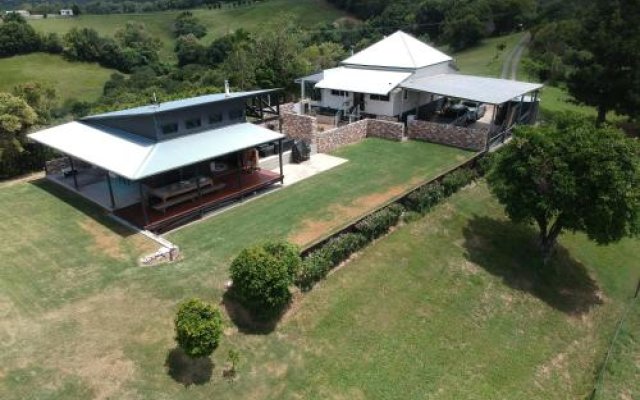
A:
x: 358, y: 100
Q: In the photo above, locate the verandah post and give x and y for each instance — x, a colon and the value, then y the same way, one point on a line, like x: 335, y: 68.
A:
x: 280, y: 160
x: 143, y: 202
x: 111, y: 196
x: 73, y: 173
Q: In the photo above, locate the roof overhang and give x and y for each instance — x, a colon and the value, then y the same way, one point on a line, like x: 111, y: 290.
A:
x: 476, y: 88
x: 361, y: 80
x: 135, y: 158
x: 313, y: 78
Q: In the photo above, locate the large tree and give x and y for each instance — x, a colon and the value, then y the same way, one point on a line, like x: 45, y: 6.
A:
x: 606, y: 71
x: 570, y: 176
x: 15, y: 117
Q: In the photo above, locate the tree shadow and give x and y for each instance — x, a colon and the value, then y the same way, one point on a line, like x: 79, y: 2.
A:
x: 510, y: 251
x: 83, y: 205
x: 186, y: 370
x: 247, y: 322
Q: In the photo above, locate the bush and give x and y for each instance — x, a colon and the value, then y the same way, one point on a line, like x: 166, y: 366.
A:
x: 423, y: 199
x: 457, y: 180
x: 198, y: 328
x: 261, y: 277
x: 378, y: 223
x: 287, y: 253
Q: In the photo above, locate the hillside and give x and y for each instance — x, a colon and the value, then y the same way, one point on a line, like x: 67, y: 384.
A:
x: 306, y: 12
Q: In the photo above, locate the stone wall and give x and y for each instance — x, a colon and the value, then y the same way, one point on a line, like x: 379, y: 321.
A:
x: 302, y: 127
x: 57, y: 165
x: 353, y: 133
x: 385, y: 129
x: 456, y: 136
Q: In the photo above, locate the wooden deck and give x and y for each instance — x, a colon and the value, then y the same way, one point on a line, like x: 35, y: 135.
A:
x: 191, y: 210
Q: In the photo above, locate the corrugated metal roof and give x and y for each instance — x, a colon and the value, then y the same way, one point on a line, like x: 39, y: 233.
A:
x: 362, y: 80
x: 482, y: 89
x: 178, y: 104
x: 136, y: 158
x: 313, y: 78
x: 399, y: 50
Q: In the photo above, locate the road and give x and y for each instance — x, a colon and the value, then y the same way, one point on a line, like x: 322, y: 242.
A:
x: 511, y: 63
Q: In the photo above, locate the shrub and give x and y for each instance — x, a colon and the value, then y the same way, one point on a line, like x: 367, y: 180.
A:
x: 341, y: 247
x: 457, y: 180
x: 198, y: 328
x: 423, y: 199
x: 287, y: 253
x: 378, y: 223
x: 261, y: 281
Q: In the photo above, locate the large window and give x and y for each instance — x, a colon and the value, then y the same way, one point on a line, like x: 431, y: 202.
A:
x: 193, y: 123
x: 340, y: 93
x: 169, y: 128
x: 378, y: 97
x: 215, y: 118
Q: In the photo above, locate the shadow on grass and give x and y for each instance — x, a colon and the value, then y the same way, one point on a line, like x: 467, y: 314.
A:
x: 510, y: 251
x: 247, y: 322
x: 83, y: 205
x: 186, y: 370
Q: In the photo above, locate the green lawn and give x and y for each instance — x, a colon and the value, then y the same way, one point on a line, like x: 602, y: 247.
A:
x: 218, y: 22
x: 485, y: 59
x: 72, y: 80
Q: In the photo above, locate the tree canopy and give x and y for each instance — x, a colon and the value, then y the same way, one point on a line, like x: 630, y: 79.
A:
x: 572, y: 176
x: 198, y: 328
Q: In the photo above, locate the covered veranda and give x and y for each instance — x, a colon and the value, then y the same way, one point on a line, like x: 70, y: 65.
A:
x: 507, y: 102
x: 159, y: 185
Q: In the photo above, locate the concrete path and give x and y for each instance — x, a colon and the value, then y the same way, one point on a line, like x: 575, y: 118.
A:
x: 318, y: 163
x: 511, y: 63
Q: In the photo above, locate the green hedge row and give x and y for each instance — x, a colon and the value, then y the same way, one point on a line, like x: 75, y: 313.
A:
x: 319, y: 262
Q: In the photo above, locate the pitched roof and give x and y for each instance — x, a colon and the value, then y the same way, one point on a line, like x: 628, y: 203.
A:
x: 361, y: 80
x: 399, y: 50
x: 178, y: 104
x: 135, y: 157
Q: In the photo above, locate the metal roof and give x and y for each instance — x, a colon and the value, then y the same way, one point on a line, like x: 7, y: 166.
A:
x: 134, y: 157
x: 362, y: 80
x: 313, y: 78
x: 485, y: 90
x: 178, y: 104
x: 399, y: 50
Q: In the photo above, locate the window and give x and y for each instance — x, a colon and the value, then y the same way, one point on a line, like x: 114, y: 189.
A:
x: 169, y: 128
x: 235, y: 114
x: 215, y: 118
x: 340, y: 93
x: 406, y: 95
x: 378, y: 97
x: 193, y: 123
x: 316, y: 95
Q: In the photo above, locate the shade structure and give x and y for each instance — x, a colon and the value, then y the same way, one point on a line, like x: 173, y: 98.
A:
x: 135, y: 157
x: 399, y: 50
x: 477, y: 88
x: 361, y: 80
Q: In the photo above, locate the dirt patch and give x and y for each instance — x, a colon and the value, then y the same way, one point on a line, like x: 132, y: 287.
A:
x: 313, y: 230
x: 104, y: 240
x: 22, y: 179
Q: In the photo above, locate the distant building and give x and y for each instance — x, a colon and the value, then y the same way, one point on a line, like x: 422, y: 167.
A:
x: 66, y: 12
x: 24, y: 13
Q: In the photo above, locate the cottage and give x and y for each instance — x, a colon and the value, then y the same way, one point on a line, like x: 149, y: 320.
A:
x: 66, y: 12
x: 159, y: 165
x: 23, y: 13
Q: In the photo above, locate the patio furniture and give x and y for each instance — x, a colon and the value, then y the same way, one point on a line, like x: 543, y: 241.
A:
x: 182, y: 191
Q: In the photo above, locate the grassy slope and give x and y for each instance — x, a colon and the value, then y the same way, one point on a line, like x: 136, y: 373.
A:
x: 79, y: 319
x: 485, y: 59
x: 218, y: 22
x: 82, y: 81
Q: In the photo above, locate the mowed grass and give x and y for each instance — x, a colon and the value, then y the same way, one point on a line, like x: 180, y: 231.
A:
x: 218, y: 22
x: 485, y: 59
x: 79, y: 319
x: 72, y: 80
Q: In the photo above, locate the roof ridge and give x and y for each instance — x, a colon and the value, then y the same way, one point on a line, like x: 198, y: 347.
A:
x: 406, y: 45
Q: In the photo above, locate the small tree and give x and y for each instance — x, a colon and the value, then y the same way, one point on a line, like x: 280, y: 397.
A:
x: 262, y: 275
x: 570, y: 176
x: 198, y: 328
x: 233, y: 358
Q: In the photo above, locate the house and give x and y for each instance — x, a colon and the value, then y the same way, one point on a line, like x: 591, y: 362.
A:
x: 66, y: 12
x: 159, y: 165
x: 401, y: 78
x: 23, y: 13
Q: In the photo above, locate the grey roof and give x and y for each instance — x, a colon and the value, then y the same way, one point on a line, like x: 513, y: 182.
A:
x: 135, y: 157
x: 313, y: 78
x: 178, y: 104
x: 482, y: 89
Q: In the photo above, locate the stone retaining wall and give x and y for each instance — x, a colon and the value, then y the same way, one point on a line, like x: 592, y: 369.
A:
x: 353, y: 133
x: 385, y: 129
x: 302, y: 127
x: 456, y: 136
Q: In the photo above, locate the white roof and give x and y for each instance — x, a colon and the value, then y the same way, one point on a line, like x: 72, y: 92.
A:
x: 362, y: 80
x: 135, y: 157
x: 399, y: 50
x: 482, y: 89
